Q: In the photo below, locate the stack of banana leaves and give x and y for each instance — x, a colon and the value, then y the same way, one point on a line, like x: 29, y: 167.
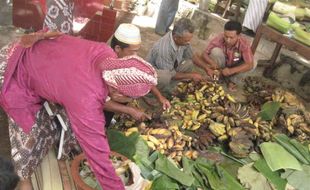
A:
x: 203, y: 119
x: 291, y: 18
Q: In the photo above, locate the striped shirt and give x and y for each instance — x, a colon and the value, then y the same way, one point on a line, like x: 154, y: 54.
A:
x: 254, y: 14
x: 241, y: 51
x: 165, y: 53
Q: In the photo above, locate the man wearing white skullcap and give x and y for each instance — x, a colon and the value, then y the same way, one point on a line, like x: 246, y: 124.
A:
x: 126, y: 41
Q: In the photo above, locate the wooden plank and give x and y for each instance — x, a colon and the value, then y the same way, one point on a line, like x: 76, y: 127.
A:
x: 276, y: 36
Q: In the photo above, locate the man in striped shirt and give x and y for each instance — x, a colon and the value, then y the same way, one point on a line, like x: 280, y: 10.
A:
x: 229, y: 53
x: 172, y: 55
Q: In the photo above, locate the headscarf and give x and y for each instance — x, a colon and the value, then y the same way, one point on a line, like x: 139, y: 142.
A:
x: 131, y: 75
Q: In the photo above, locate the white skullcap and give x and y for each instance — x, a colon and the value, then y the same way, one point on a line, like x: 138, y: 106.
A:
x: 128, y: 33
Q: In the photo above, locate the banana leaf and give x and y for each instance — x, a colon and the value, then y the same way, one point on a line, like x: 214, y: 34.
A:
x: 122, y: 144
x: 165, y: 166
x: 269, y: 110
x: 278, y: 158
x: 164, y: 182
x: 298, y: 179
x: 189, y: 168
x: 213, y: 179
x: 273, y: 177
x: 229, y: 181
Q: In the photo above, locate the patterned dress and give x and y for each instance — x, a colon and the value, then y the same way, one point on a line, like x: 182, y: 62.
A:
x: 59, y: 16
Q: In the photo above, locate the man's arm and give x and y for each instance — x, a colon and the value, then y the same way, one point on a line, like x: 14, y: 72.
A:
x: 163, y: 100
x: 238, y: 69
x: 207, y: 64
x: 120, y: 108
x: 191, y: 76
x: 206, y: 58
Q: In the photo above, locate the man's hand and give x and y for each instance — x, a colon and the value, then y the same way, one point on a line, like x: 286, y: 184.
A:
x: 227, y: 72
x: 28, y: 40
x: 196, y: 77
x: 139, y: 115
x: 210, y: 72
x: 165, y: 103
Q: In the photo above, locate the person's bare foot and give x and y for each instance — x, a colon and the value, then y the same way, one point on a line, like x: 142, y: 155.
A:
x: 232, y: 87
x: 25, y: 185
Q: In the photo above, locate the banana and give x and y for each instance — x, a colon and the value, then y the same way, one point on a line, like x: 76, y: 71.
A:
x: 187, y: 138
x: 179, y: 134
x: 231, y: 121
x: 195, y: 114
x: 211, y: 89
x: 173, y: 127
x: 217, y: 129
x: 225, y: 120
x: 228, y: 127
x: 133, y: 129
x: 202, y: 117
x: 290, y: 129
x: 190, y: 98
x: 203, y: 88
x: 178, y: 158
x: 230, y: 98
x: 195, y: 154
x: 129, y: 123
x: 198, y: 95
x: 161, y: 151
x: 222, y: 138
x: 170, y: 143
x: 220, y: 118
x: 215, y: 115
x: 182, y: 144
x: 249, y: 120
x: 154, y: 140
x: 126, y: 133
x: 144, y: 137
x: 288, y: 122
x: 237, y: 123
x: 221, y: 93
x: 179, y: 153
x: 188, y: 154
x: 195, y: 127
x: 177, y: 147
x: 160, y: 131
x: 151, y: 145
x: 206, y: 103
x: 172, y: 154
x: 215, y: 98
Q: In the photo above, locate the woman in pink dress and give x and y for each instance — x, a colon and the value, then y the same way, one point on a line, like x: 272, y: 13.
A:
x: 78, y: 75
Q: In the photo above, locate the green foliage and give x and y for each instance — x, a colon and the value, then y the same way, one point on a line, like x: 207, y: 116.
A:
x: 121, y: 144
x: 269, y: 110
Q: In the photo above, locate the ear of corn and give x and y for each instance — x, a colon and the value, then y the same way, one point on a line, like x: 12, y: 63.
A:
x: 278, y: 23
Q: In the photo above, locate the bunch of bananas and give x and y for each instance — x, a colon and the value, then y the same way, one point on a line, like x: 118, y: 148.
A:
x: 168, y: 141
x: 296, y: 124
x: 193, y: 101
x: 265, y: 128
x: 286, y: 98
x: 256, y: 91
